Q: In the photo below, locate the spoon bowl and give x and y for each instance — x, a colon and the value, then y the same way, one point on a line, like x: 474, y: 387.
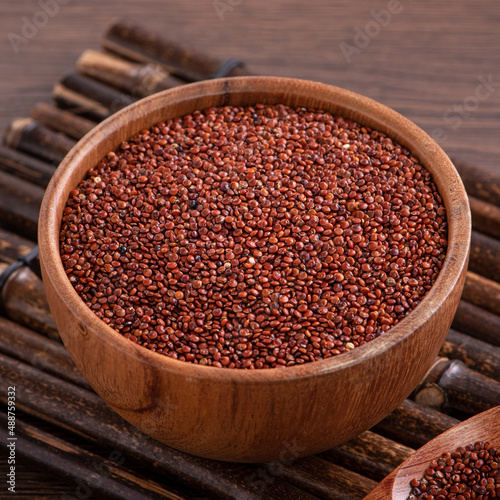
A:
x: 482, y: 427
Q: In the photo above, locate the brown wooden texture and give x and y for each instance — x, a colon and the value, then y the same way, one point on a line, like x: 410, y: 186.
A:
x: 61, y: 121
x: 19, y: 205
x: 451, y: 384
x: 425, y: 62
x: 414, y: 425
x: 132, y: 41
x: 365, y: 384
x: 485, y: 217
x: 372, y: 455
x: 23, y: 295
x: 479, y: 183
x: 137, y: 79
x: 326, y: 480
x: 484, y: 252
x: 86, y: 96
x: 475, y: 354
x: 13, y: 245
x: 29, y: 136
x: 25, y: 166
x: 24, y: 301
x: 90, y: 473
x: 482, y: 292
x: 481, y: 427
x: 468, y: 391
x: 36, y: 482
x: 47, y: 355
x: 477, y: 322
x: 78, y: 104
x: 76, y: 409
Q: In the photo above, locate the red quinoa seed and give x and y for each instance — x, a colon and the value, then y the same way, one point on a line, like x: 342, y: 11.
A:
x: 254, y: 237
x: 470, y: 473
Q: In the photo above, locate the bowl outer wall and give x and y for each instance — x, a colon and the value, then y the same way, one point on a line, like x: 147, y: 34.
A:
x: 243, y: 415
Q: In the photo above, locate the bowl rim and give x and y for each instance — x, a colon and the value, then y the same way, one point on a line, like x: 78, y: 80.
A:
x: 458, y: 218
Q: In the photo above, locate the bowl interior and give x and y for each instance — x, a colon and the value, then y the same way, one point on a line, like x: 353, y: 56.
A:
x: 246, y: 91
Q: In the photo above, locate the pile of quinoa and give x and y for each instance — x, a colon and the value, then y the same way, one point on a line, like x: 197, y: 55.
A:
x: 254, y: 237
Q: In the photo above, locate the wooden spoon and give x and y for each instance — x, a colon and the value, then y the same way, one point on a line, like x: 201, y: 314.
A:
x: 482, y: 427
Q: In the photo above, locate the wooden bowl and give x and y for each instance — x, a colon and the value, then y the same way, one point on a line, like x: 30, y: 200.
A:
x: 259, y: 415
x: 483, y: 427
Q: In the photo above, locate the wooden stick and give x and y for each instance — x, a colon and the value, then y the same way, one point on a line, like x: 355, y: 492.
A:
x: 482, y: 292
x: 25, y: 167
x: 326, y: 480
x: 29, y: 136
x: 468, y: 391
x: 450, y: 384
x: 90, y: 473
x: 484, y: 252
x: 24, y: 301
x: 139, y: 44
x: 84, y: 95
x: 136, y: 79
x: 45, y: 354
x: 78, y: 104
x: 62, y: 121
x: 13, y: 245
x: 23, y: 295
x: 369, y: 454
x: 479, y: 182
x: 475, y: 354
x: 485, y: 217
x: 414, y: 425
x: 19, y: 205
x: 83, y: 412
x: 428, y: 393
x: 477, y: 322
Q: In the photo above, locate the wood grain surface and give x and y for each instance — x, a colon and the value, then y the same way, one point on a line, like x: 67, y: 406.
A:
x: 427, y: 62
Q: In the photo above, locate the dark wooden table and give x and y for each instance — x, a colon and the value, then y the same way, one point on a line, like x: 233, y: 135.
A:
x: 428, y: 62
x: 436, y: 62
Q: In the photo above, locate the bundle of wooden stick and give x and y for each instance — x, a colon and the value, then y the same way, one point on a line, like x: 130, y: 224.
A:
x: 135, y: 63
